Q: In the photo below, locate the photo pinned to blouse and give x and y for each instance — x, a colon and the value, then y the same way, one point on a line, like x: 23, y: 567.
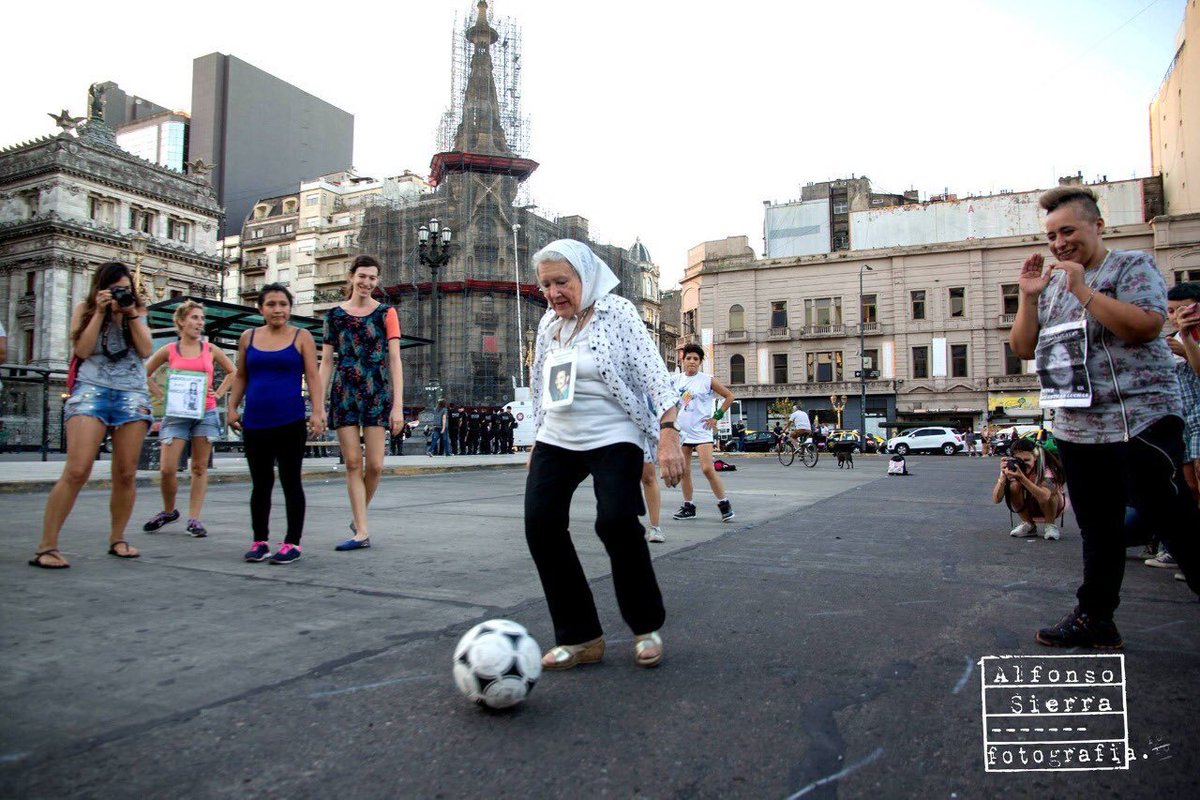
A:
x: 186, y: 393
x: 558, y: 386
x: 1061, y: 361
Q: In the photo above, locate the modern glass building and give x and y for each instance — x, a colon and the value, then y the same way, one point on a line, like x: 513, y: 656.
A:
x: 161, y: 139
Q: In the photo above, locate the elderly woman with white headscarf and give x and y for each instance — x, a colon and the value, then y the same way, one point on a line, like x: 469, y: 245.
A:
x: 602, y: 427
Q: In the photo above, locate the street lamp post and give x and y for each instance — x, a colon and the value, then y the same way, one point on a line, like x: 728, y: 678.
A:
x: 520, y: 331
x: 862, y: 368
x: 434, y: 251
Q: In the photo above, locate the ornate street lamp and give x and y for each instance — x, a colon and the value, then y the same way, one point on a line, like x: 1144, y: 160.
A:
x: 839, y: 405
x: 433, y: 249
x: 160, y: 283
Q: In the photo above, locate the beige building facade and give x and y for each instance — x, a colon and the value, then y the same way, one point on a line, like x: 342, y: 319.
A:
x: 1175, y: 118
x: 933, y: 321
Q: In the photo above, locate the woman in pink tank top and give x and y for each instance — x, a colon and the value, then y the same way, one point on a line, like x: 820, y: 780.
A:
x: 187, y: 359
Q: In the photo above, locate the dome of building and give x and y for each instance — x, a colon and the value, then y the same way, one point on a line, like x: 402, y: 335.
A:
x: 639, y: 254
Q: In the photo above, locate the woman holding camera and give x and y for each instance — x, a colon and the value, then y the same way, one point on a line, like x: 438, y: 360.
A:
x: 108, y: 392
x: 1031, y: 484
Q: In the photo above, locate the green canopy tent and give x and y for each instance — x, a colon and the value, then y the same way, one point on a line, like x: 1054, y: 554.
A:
x: 225, y: 323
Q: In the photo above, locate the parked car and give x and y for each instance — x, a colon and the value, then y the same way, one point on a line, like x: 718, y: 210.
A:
x: 927, y: 440
x: 872, y: 443
x: 756, y: 442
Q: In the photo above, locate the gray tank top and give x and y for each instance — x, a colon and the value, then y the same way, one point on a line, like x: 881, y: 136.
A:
x: 126, y: 373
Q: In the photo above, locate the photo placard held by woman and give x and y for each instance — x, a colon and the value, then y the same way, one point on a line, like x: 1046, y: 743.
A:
x: 599, y: 423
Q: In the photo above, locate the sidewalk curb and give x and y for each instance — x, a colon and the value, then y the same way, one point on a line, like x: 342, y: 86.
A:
x: 146, y: 478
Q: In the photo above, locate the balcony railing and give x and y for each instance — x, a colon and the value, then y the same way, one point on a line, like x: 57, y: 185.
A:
x: 255, y: 265
x: 251, y: 289
x: 1006, y: 320
x: 1026, y: 380
x: 736, y: 336
x: 779, y: 333
x: 334, y: 251
x: 822, y: 331
x: 869, y: 328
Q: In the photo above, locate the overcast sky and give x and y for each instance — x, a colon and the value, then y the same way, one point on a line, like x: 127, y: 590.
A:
x: 671, y: 121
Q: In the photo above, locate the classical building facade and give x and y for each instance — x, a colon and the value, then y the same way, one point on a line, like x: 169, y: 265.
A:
x: 932, y: 318
x: 71, y: 202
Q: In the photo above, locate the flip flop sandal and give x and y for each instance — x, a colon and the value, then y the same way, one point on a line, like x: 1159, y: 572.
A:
x: 37, y: 561
x: 112, y: 550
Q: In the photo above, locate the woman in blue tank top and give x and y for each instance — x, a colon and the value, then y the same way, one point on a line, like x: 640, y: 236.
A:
x: 271, y: 361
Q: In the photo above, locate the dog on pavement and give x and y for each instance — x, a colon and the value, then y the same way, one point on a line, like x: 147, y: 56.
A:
x: 845, y: 459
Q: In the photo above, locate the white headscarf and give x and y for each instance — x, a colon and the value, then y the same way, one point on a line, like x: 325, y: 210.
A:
x: 597, y: 278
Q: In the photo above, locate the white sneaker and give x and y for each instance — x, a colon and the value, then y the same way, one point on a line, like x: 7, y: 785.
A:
x: 655, y: 534
x: 1050, y: 532
x: 1025, y: 530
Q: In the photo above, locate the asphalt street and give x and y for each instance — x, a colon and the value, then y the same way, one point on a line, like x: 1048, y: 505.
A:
x: 825, y: 644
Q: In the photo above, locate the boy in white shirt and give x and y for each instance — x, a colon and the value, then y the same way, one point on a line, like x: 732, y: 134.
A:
x: 696, y: 422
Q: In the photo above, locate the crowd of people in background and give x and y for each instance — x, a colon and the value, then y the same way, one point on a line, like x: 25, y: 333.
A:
x: 470, y: 431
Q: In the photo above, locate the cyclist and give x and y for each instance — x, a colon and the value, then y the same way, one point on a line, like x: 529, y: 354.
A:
x: 798, y: 425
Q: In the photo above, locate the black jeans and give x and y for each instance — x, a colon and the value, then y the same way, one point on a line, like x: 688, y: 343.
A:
x: 1145, y: 473
x: 616, y: 470
x: 266, y: 447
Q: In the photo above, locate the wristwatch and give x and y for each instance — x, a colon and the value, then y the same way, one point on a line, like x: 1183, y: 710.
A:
x: 662, y: 426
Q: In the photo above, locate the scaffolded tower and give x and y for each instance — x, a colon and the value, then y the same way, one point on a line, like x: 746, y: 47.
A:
x: 477, y: 173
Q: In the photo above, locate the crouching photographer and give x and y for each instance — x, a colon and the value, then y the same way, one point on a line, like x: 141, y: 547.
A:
x: 1030, y: 483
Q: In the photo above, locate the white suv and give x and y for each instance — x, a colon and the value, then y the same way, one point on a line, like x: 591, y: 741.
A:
x: 945, y: 440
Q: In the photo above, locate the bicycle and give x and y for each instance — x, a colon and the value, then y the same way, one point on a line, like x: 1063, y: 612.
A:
x: 787, y: 450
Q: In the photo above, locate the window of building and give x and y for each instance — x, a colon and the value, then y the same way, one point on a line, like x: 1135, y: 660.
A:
x: 284, y: 253
x: 141, y: 220
x: 779, y: 318
x: 1009, y: 295
x: 779, y: 367
x: 841, y: 241
x: 261, y: 210
x: 958, y: 302
x: 823, y: 311
x: 312, y: 222
x: 841, y: 208
x: 284, y: 276
x: 333, y: 241
x: 1187, y: 275
x: 737, y: 369
x: 306, y: 246
x: 958, y: 361
x: 1012, y: 362
x: 177, y: 229
x: 257, y: 233
x: 102, y: 209
x: 289, y: 228
x: 918, y: 304
x: 870, y: 309
x: 32, y: 199
x: 737, y: 318
x: 870, y: 359
x: 826, y: 366
x: 29, y: 342
x: 312, y: 200
x: 689, y: 322
x: 289, y: 206
x: 920, y: 362
x: 30, y: 281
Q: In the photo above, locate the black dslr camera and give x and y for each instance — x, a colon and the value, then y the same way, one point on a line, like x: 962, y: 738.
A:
x: 122, y: 296
x: 1014, y: 464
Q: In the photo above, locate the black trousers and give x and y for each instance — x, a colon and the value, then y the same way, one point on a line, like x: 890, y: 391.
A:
x: 452, y: 441
x: 554, y: 475
x: 1145, y: 473
x: 266, y: 447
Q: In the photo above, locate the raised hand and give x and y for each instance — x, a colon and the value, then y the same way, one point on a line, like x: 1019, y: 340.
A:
x: 1034, y: 278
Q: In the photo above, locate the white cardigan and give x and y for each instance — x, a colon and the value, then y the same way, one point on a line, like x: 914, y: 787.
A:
x: 629, y: 364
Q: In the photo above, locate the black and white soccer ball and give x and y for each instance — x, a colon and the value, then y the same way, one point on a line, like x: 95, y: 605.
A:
x: 497, y: 663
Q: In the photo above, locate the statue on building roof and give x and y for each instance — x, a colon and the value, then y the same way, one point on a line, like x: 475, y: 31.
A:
x: 96, y: 101
x: 65, y: 121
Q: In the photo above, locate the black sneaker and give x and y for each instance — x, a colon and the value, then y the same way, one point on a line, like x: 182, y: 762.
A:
x: 1081, y: 630
x: 259, y: 551
x: 686, y: 511
x: 726, y: 509
x: 160, y: 519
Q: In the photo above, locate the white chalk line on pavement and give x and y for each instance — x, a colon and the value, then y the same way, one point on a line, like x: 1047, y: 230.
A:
x: 379, y: 684
x: 958, y: 687
x: 857, y: 765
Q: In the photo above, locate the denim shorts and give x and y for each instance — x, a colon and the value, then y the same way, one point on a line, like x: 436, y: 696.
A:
x: 113, y: 407
x: 183, y: 428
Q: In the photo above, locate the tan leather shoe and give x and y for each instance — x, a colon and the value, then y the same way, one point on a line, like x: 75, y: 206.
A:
x: 565, y: 656
x: 648, y: 650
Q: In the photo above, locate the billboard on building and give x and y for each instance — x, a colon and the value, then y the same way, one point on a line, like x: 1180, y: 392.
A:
x: 797, y: 229
x: 1015, y: 214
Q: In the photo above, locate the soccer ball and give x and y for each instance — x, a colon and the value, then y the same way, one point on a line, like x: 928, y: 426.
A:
x: 497, y: 663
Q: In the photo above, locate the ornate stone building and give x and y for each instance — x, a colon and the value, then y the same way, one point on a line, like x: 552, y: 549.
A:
x: 73, y: 201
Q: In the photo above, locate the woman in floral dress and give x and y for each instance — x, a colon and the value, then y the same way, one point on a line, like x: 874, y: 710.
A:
x: 367, y: 388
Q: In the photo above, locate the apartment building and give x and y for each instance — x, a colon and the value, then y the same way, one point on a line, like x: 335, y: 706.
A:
x: 932, y: 321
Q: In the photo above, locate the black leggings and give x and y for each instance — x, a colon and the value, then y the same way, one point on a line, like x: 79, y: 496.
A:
x: 616, y: 470
x: 266, y: 447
